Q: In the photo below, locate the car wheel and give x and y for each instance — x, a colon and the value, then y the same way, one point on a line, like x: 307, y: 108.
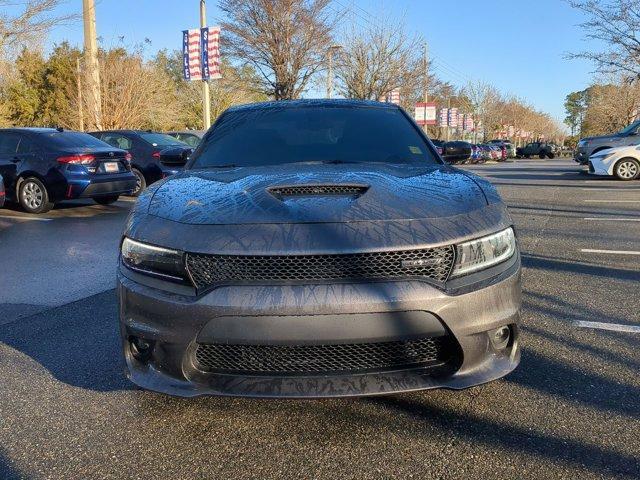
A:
x: 106, y: 200
x: 33, y: 196
x: 627, y: 169
x: 527, y: 156
x: 141, y: 183
x: 542, y: 155
x: 551, y: 156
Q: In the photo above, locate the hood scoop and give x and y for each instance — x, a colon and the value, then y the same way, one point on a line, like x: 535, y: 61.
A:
x: 318, y: 190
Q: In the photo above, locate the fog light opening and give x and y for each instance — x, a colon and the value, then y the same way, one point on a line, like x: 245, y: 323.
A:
x: 501, y: 337
x: 140, y: 348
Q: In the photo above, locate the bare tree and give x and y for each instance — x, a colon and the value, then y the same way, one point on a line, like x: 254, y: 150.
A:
x: 30, y: 22
x: 484, y: 103
x: 378, y: 59
x: 284, y: 40
x: 616, y: 23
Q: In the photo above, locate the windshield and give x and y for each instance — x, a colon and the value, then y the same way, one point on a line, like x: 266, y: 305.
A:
x: 323, y: 134
x: 630, y: 129
x: 74, y: 140
x: 160, y: 139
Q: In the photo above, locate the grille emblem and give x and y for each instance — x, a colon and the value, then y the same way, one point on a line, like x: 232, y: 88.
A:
x: 421, y: 262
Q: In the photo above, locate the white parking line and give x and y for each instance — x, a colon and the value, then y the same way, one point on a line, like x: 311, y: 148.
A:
x: 611, y: 219
x: 612, y: 252
x: 612, y: 201
x: 11, y: 217
x: 621, y: 189
x: 614, y: 327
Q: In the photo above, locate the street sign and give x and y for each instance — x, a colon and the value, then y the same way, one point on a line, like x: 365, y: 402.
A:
x: 201, y: 53
x: 191, y: 58
x: 210, y: 48
x: 425, y: 113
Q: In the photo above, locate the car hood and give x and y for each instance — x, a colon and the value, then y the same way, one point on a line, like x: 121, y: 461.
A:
x: 375, y: 192
x: 600, y: 137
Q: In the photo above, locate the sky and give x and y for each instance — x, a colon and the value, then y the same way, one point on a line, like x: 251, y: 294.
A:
x: 518, y: 45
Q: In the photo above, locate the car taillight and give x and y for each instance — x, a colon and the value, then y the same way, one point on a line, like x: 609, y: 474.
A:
x: 77, y: 159
x: 128, y: 157
x: 155, y: 154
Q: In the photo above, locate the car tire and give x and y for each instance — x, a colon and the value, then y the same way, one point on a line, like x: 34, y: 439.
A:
x: 551, y: 156
x: 627, y: 169
x: 527, y: 156
x: 141, y: 183
x: 33, y: 196
x: 106, y: 200
x: 542, y: 155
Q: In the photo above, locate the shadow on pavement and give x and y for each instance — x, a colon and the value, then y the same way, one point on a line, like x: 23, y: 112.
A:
x: 556, y: 264
x: 515, y: 439
x: 78, y: 343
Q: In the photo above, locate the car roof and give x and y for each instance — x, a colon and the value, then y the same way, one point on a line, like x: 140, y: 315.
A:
x: 124, y: 131
x: 319, y: 102
x: 36, y: 130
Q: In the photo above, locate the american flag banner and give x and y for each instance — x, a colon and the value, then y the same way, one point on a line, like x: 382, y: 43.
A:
x: 210, y: 47
x: 191, y: 58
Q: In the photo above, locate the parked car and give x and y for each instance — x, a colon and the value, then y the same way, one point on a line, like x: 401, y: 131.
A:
x: 456, y: 151
x: 2, y: 192
x: 590, y: 145
x: 439, y: 144
x: 154, y: 156
x: 621, y: 162
x: 190, y: 137
x: 318, y: 248
x: 42, y: 166
x: 510, y: 148
x: 539, y: 149
x: 476, y: 154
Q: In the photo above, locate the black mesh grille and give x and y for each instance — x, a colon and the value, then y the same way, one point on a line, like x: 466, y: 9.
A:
x: 311, y: 190
x: 432, y: 264
x: 321, y: 359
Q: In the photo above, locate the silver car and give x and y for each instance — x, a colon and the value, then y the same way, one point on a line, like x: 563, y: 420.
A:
x: 588, y: 146
x: 318, y: 248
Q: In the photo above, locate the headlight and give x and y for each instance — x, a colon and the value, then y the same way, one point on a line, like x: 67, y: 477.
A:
x: 484, y: 252
x: 152, y: 260
x: 603, y: 154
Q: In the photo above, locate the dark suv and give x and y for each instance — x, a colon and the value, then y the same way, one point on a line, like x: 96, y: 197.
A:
x: 42, y: 166
x: 539, y: 149
x: 154, y: 156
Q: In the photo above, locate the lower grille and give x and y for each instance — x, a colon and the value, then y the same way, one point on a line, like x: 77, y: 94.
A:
x: 324, y: 359
x: 433, y: 264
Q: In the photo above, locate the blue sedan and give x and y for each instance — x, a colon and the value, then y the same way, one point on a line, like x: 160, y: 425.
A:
x: 43, y: 166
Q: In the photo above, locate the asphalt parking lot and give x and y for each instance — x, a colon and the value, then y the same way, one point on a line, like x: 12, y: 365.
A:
x: 571, y: 409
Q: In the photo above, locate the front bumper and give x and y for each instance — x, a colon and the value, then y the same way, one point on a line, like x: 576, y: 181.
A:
x: 317, y: 315
x: 599, y: 166
x: 581, y: 156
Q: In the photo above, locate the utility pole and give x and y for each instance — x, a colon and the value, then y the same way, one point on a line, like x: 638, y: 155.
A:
x: 206, y: 103
x: 92, y: 71
x: 330, y: 69
x: 79, y: 84
x: 426, y: 73
x: 426, y: 83
x: 449, y: 115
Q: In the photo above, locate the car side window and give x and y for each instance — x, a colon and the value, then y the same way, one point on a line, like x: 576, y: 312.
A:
x: 9, y: 143
x: 26, y: 145
x: 117, y: 141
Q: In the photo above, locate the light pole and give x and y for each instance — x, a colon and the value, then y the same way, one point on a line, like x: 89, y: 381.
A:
x: 94, y: 102
x: 206, y: 103
x: 330, y: 51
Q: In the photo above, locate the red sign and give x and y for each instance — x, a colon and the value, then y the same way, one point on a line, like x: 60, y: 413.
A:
x: 425, y: 113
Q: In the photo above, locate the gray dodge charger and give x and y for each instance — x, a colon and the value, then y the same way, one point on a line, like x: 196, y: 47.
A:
x: 318, y: 249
